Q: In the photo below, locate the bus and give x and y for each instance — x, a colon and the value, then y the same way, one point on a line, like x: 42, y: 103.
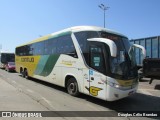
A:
x: 83, y: 59
x: 6, y: 57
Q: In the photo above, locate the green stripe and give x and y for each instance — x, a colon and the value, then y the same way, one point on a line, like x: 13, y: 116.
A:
x: 41, y: 64
x: 46, y: 65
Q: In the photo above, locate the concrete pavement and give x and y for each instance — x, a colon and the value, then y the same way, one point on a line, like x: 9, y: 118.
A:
x: 11, y: 99
x: 14, y: 99
x: 15, y: 96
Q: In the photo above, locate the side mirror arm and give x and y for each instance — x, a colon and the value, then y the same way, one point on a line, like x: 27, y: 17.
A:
x: 142, y: 48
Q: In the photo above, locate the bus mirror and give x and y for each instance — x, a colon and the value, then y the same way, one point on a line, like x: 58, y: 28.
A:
x: 110, y: 43
x: 141, y: 48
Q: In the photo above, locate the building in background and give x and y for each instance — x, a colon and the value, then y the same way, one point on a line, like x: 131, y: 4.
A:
x: 152, y: 46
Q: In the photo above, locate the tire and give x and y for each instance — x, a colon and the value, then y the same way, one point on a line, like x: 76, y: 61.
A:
x: 21, y: 72
x: 25, y: 74
x: 72, y: 87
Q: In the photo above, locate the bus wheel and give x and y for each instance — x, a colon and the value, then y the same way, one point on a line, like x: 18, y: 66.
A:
x: 21, y: 72
x: 26, y: 74
x: 72, y: 87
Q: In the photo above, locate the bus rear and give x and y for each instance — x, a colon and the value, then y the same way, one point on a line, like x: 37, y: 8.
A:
x: 6, y: 57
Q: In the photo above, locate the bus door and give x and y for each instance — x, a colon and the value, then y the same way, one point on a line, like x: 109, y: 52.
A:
x: 97, y: 70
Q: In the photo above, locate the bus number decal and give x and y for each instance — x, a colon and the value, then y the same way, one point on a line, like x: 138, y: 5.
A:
x: 93, y: 90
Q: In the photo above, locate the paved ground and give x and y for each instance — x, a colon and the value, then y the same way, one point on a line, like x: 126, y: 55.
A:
x: 18, y: 94
x: 150, y: 89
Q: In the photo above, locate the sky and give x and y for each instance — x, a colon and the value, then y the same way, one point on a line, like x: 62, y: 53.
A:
x: 24, y: 20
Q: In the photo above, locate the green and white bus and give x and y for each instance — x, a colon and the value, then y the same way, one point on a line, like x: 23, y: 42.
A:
x: 83, y: 59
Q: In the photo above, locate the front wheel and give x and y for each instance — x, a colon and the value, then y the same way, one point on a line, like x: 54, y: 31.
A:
x: 72, y: 87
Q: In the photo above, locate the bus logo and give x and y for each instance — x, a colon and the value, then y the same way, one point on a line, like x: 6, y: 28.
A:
x: 93, y: 90
x: 27, y: 59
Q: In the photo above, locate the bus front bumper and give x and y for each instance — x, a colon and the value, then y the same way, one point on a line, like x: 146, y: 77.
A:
x: 116, y: 94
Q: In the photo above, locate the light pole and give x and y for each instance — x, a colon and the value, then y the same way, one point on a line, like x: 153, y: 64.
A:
x: 104, y: 8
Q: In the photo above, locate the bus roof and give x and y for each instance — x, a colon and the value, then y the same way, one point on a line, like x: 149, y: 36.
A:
x: 94, y: 28
x: 7, y: 52
x: 73, y: 29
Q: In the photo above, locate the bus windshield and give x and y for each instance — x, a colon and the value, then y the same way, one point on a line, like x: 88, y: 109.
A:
x: 123, y: 66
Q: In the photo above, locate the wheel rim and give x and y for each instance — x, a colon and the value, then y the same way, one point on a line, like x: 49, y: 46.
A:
x: 72, y: 88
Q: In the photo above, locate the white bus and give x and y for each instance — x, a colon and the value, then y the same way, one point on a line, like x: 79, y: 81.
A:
x: 84, y: 59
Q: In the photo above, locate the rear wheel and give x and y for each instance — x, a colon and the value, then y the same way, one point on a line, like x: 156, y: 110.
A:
x: 21, y: 72
x: 72, y: 87
x: 25, y: 74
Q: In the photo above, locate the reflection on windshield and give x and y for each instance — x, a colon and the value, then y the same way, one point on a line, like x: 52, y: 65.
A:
x: 123, y: 65
x: 117, y: 63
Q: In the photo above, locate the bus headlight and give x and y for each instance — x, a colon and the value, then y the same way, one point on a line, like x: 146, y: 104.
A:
x: 113, y: 84
x: 117, y: 86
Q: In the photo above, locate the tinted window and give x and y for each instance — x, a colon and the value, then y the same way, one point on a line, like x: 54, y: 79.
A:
x: 50, y: 46
x: 20, y: 51
x: 28, y: 50
x: 65, y: 45
x: 38, y: 48
x: 25, y: 50
x: 97, y: 58
x: 31, y: 50
x: 83, y: 36
x: 82, y: 40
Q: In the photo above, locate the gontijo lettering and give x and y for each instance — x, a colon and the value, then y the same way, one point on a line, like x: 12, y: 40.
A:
x: 27, y: 59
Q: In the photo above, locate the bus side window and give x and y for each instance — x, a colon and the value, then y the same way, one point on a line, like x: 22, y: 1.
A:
x: 97, y: 60
x: 50, y: 46
x: 65, y: 46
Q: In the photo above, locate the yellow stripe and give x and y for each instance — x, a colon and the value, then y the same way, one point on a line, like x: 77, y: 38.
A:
x: 29, y: 62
